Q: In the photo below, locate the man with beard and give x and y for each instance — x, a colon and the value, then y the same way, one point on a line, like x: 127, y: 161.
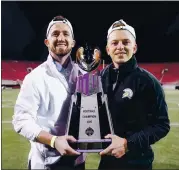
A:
x: 41, y: 109
x: 136, y: 103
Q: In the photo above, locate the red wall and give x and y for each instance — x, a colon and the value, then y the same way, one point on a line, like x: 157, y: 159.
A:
x: 13, y: 70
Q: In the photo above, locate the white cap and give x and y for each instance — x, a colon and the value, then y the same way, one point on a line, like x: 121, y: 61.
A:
x: 122, y: 26
x: 62, y: 20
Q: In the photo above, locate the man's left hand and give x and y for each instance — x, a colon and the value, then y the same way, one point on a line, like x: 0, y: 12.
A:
x: 117, y: 148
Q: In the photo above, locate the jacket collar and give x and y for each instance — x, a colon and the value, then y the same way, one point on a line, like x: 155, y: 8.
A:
x: 62, y: 75
x: 110, y: 72
x: 126, y: 67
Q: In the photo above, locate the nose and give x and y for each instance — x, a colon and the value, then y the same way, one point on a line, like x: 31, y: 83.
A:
x: 61, y: 37
x: 120, y: 45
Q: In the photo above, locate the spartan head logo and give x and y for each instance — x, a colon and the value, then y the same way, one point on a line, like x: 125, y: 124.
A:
x: 127, y: 93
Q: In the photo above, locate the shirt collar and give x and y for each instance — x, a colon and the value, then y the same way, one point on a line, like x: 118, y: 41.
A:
x: 58, y: 66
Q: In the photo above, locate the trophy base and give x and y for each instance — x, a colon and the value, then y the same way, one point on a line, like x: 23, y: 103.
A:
x: 91, y: 146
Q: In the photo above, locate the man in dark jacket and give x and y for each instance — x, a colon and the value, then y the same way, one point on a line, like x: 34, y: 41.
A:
x: 136, y: 102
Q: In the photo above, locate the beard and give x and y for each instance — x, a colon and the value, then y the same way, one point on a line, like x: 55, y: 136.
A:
x: 61, y: 52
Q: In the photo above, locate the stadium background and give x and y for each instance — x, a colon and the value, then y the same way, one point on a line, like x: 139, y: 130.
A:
x: 23, y: 27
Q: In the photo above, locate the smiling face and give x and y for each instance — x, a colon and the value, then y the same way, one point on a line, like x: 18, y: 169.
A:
x: 121, y: 46
x: 60, y: 39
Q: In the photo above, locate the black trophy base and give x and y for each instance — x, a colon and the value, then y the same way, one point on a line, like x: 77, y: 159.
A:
x: 91, y: 146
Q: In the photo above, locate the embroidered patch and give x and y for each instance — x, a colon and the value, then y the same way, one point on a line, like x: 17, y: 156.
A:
x: 127, y: 93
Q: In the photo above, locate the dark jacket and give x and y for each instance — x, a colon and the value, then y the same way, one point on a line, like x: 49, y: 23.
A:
x: 139, y: 113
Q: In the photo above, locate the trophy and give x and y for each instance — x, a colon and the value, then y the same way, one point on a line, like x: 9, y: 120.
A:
x: 89, y: 119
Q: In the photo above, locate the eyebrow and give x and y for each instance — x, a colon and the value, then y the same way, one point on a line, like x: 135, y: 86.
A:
x: 57, y: 31
x: 66, y: 31
x: 121, y: 40
x: 126, y: 40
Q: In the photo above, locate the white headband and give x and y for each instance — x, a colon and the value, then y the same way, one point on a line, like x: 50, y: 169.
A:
x: 125, y: 27
x: 65, y: 21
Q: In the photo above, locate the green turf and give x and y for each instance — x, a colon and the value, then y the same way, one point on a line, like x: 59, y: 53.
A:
x: 7, y: 114
x: 15, y: 148
x: 167, y: 151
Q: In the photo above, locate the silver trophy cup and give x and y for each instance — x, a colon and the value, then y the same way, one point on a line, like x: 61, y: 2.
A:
x: 89, y: 113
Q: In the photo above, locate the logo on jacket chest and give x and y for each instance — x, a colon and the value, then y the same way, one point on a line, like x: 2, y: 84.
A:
x: 127, y: 93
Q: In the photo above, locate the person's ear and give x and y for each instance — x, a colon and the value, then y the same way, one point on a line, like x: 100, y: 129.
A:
x: 46, y: 42
x: 107, y: 49
x: 135, y: 48
x: 73, y: 43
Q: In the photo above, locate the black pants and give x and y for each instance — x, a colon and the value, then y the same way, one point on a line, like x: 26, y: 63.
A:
x: 149, y: 168
x: 66, y: 167
x: 65, y: 163
x: 112, y: 163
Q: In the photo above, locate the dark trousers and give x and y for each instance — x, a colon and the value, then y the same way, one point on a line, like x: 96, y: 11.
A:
x: 149, y: 168
x: 66, y: 167
x: 112, y: 163
x: 64, y: 164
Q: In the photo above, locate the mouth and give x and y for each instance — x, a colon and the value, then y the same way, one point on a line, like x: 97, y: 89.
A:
x: 122, y: 53
x: 61, y: 45
x: 118, y: 52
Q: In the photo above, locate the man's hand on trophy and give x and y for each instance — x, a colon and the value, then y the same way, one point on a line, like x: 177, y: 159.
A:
x: 117, y: 148
x: 61, y: 144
